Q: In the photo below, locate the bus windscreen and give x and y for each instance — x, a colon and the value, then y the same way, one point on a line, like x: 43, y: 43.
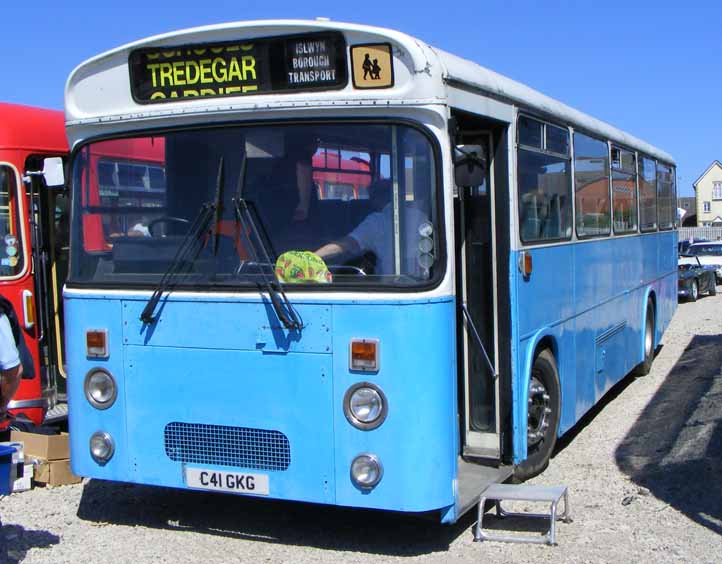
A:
x: 361, y: 197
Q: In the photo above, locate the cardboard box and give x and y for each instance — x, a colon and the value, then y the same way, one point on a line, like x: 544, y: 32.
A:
x: 55, y: 473
x: 47, y: 447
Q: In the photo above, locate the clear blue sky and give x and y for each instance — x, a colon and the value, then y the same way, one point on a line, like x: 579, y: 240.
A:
x: 653, y: 69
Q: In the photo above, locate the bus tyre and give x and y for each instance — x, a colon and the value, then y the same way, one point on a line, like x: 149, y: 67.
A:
x: 22, y: 424
x: 645, y: 366
x: 543, y: 411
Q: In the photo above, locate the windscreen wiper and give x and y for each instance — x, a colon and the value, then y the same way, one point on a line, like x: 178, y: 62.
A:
x: 190, y: 245
x: 283, y: 307
x: 218, y: 207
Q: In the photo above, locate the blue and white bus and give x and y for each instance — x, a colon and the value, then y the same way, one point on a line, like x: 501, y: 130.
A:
x: 510, y: 261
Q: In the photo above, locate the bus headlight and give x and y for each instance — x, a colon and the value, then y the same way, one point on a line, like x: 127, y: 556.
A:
x: 366, y: 471
x: 100, y: 388
x: 365, y: 406
x: 102, y: 447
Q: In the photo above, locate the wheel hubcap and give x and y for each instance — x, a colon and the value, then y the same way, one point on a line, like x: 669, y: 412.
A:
x: 539, y: 408
x: 648, y: 336
x: 694, y: 290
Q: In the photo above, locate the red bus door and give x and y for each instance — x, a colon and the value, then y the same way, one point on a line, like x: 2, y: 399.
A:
x: 49, y: 221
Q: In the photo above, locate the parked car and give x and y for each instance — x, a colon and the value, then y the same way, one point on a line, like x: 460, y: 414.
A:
x: 682, y: 246
x: 709, y: 254
x: 695, y: 278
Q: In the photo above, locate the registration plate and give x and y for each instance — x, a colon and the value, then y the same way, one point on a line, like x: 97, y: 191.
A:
x: 222, y: 481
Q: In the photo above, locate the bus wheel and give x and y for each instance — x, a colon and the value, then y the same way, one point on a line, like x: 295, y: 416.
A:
x: 543, y: 410
x: 645, y: 366
x: 23, y: 425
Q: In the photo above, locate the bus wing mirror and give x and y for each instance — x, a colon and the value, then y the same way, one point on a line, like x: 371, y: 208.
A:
x: 469, y: 165
x: 53, y: 172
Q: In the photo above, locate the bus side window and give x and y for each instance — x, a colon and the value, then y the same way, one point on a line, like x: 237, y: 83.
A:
x: 591, y: 185
x: 544, y: 209
x: 544, y: 182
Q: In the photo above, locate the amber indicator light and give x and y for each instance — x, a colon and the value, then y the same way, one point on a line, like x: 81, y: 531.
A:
x: 29, y: 310
x: 97, y: 343
x: 364, y: 354
x: 527, y: 264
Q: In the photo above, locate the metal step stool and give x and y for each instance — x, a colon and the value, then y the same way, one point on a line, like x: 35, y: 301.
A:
x: 511, y: 492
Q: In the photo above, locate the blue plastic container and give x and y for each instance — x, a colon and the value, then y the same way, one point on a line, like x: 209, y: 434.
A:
x: 6, y: 463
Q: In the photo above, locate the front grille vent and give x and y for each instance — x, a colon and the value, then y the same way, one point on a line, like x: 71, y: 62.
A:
x: 242, y: 447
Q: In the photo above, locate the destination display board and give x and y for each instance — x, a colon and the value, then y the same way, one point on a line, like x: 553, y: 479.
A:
x: 313, y: 61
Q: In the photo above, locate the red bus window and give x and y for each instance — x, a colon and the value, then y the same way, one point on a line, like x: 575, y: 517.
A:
x: 11, y: 248
x: 124, y: 189
x: 341, y: 174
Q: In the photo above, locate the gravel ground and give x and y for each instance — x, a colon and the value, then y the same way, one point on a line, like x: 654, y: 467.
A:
x: 643, y: 470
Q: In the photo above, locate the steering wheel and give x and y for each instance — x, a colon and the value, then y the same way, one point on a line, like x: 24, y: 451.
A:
x: 168, y: 219
x: 340, y: 268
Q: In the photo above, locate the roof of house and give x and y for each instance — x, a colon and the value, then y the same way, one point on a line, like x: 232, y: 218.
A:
x: 710, y: 167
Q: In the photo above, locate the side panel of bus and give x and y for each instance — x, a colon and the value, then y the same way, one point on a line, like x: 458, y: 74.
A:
x: 587, y: 301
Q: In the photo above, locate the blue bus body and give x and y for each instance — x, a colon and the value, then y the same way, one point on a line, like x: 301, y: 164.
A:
x: 215, y: 381
x: 592, y: 314
x: 228, y: 367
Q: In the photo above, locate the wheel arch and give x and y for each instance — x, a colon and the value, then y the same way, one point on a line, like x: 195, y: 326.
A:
x: 543, y: 339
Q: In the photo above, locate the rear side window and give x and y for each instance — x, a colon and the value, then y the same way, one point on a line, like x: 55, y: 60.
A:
x: 666, y: 208
x: 544, y: 179
x: 591, y: 181
x: 647, y: 194
x: 11, y: 248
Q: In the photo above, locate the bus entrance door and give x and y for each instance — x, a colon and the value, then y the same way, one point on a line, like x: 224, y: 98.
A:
x: 50, y: 233
x: 477, y: 316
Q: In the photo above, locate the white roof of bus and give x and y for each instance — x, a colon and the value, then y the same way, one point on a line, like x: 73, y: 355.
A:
x: 453, y: 70
x: 469, y: 73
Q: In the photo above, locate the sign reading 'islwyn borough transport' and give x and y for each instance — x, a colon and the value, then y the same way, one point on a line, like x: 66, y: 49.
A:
x: 314, y: 61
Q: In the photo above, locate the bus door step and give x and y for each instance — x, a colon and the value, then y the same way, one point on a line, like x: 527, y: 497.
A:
x: 56, y: 414
x: 521, y: 492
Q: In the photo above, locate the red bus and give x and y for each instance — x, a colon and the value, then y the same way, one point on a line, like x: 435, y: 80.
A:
x: 341, y: 175
x: 123, y: 190
x: 34, y: 251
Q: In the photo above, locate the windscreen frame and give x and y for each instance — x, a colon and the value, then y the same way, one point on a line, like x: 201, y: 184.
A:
x: 438, y: 203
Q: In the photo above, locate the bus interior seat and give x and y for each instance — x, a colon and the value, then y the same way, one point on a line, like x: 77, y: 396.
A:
x: 531, y: 224
x: 552, y: 224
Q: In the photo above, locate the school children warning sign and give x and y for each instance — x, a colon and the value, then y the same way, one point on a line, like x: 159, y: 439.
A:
x: 372, y: 66
x: 315, y: 61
